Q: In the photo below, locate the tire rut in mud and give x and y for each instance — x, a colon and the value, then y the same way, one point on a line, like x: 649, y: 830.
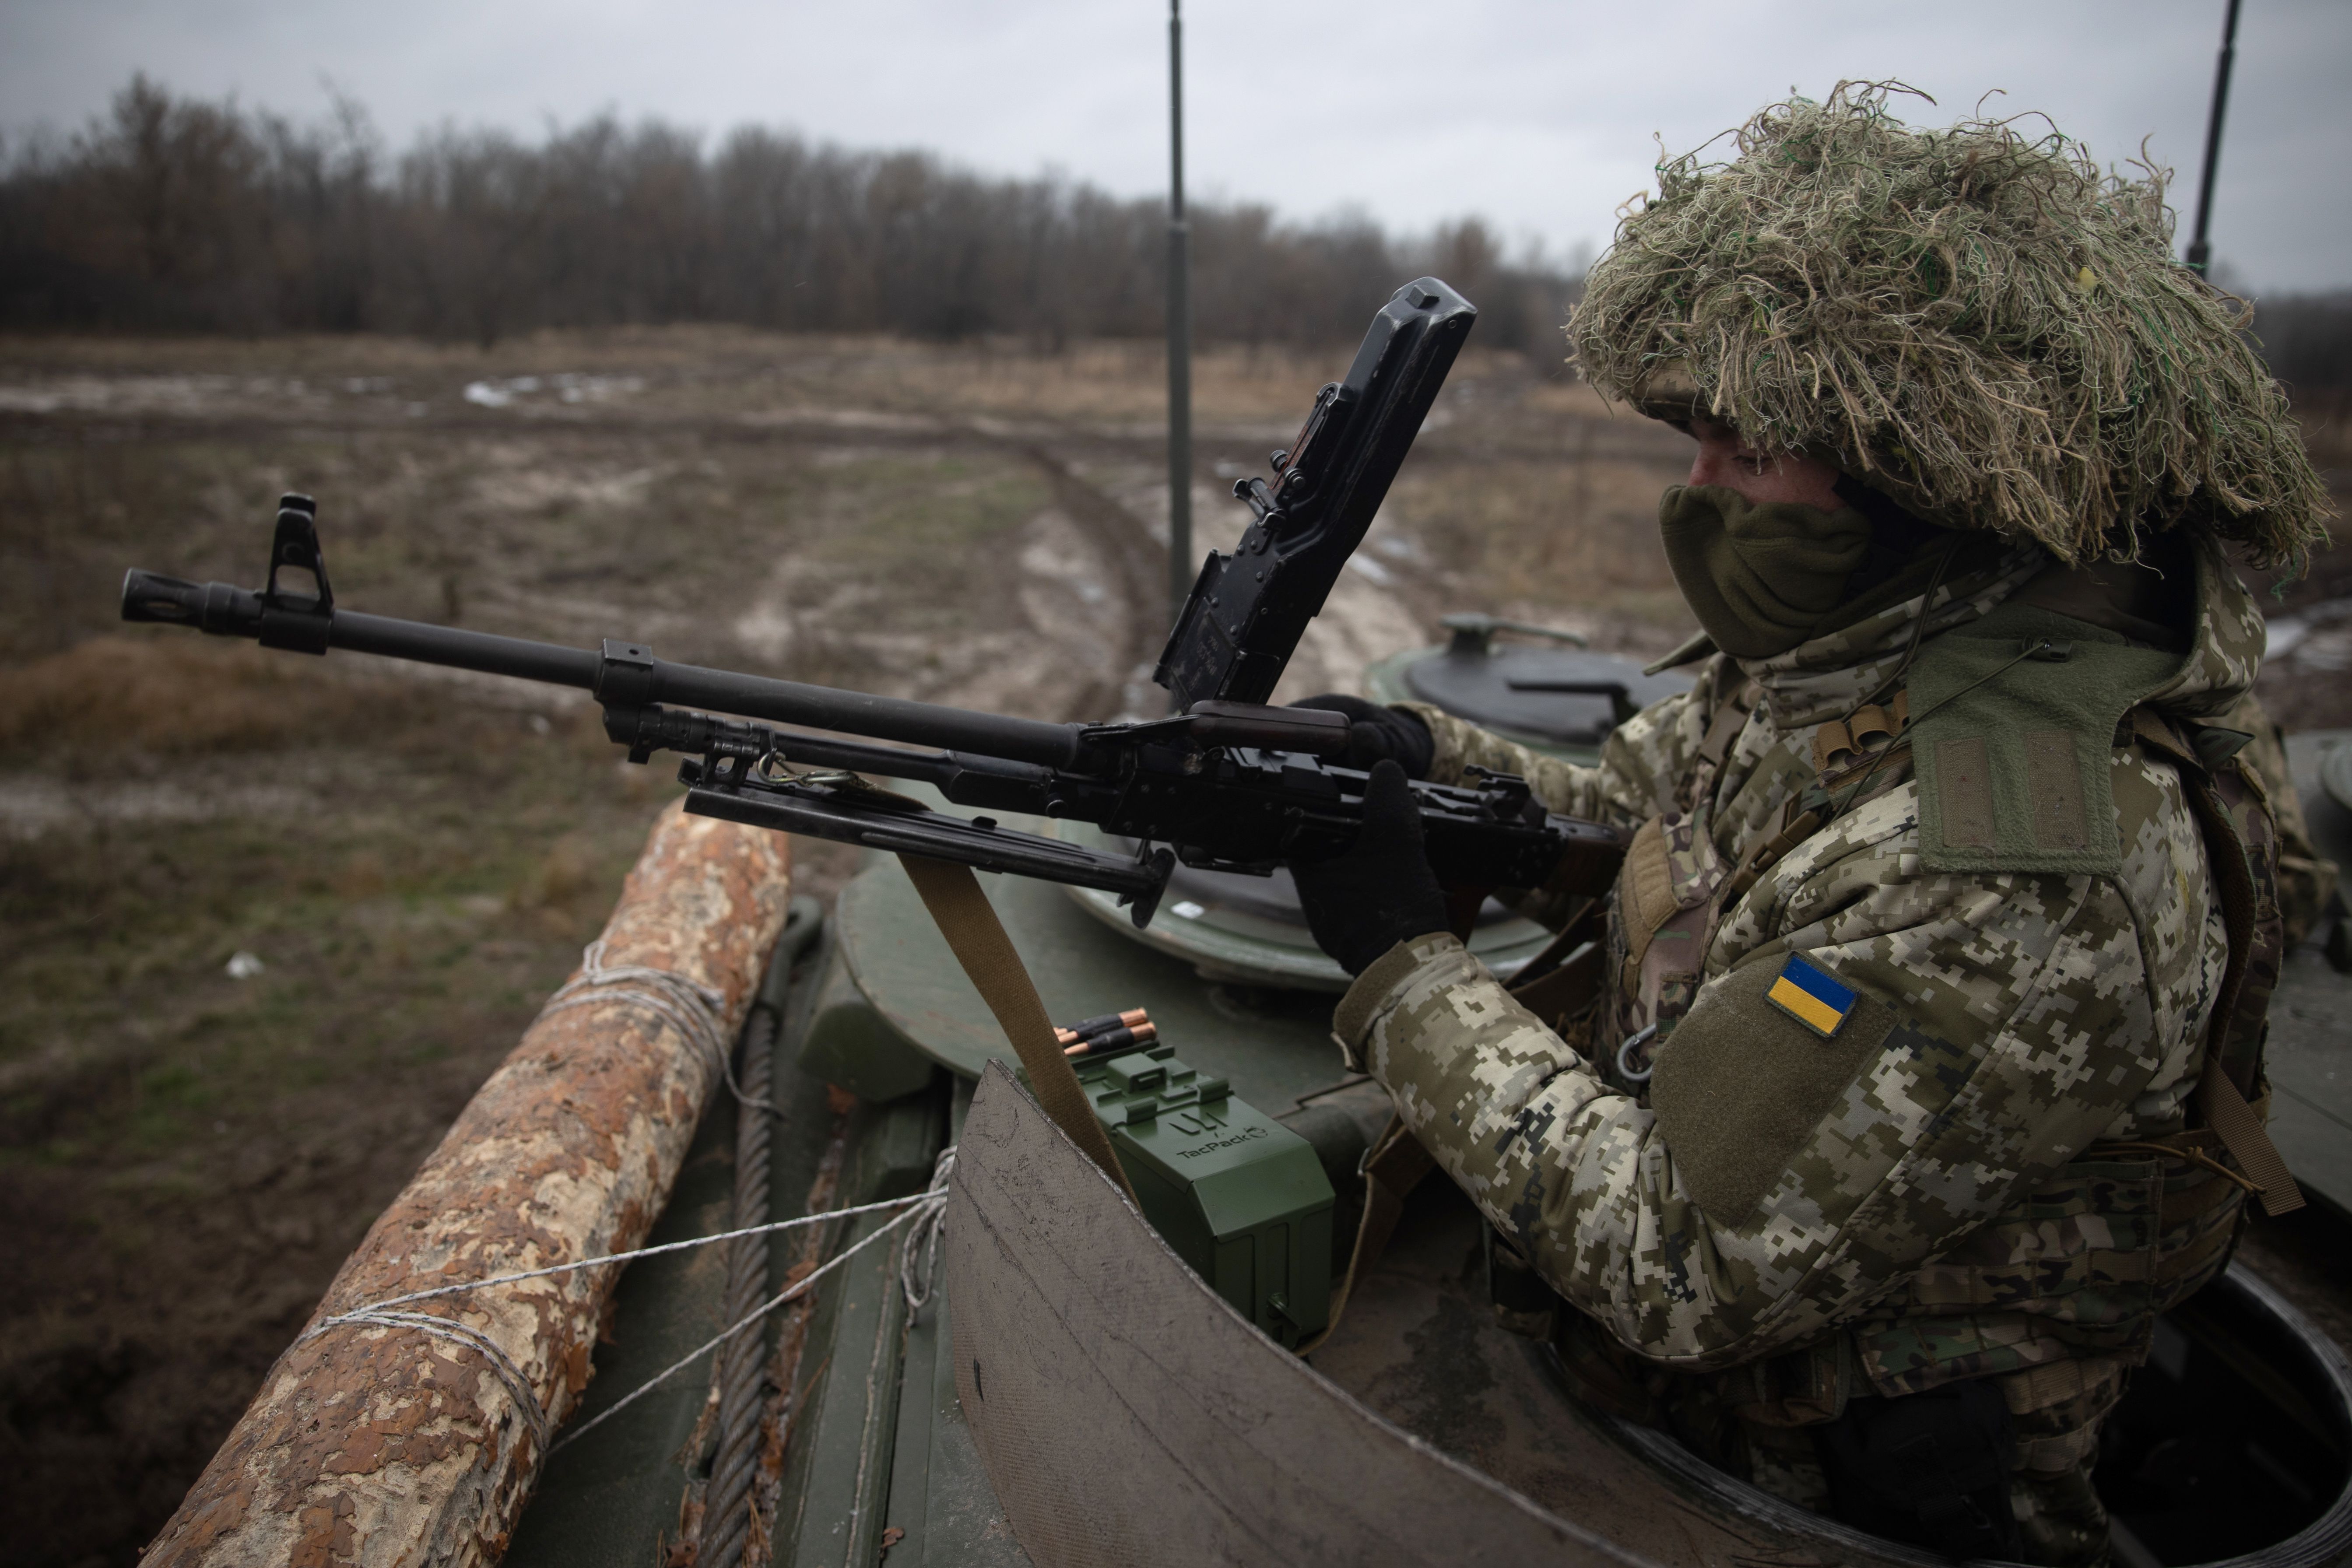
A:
x: 1136, y: 567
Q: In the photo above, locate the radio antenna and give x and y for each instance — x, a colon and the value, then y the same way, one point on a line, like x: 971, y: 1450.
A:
x: 2201, y: 252
x: 1181, y: 567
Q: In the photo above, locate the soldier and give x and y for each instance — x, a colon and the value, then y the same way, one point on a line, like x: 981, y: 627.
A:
x: 1923, y: 1070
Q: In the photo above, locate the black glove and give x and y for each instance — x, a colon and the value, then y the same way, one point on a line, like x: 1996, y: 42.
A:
x: 1378, y: 891
x: 1375, y: 733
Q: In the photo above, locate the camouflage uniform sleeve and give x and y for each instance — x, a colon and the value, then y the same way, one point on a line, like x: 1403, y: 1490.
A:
x: 2020, y: 1028
x: 1629, y: 785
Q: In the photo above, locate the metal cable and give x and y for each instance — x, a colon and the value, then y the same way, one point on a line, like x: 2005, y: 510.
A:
x: 727, y: 1514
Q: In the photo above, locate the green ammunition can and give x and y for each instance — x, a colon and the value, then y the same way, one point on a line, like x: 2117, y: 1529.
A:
x: 1241, y: 1198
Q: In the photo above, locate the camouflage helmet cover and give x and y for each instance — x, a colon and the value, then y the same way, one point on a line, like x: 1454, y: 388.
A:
x: 1982, y: 326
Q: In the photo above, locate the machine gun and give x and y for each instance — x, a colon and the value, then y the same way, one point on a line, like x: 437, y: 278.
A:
x: 1225, y: 784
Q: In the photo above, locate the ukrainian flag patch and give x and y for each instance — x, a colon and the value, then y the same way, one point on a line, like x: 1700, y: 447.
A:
x: 1810, y: 996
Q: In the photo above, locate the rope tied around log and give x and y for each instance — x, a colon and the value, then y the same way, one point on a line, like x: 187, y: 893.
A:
x: 925, y: 1209
x: 690, y: 1006
x: 597, y: 1108
x: 518, y: 1385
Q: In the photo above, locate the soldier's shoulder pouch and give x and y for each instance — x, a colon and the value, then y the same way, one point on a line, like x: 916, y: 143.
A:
x: 2013, y: 731
x: 1749, y: 1074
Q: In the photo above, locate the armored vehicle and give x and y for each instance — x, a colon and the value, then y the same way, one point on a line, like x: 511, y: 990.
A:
x: 1065, y: 1377
x: 1201, y: 1312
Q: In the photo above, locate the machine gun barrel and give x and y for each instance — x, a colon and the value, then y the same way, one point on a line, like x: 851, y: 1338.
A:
x: 621, y: 674
x: 1227, y: 786
x: 1224, y: 783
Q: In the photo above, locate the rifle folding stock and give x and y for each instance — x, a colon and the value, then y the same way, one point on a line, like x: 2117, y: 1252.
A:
x: 1225, y: 784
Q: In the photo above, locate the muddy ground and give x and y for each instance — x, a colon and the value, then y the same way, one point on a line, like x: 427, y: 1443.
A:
x: 413, y: 859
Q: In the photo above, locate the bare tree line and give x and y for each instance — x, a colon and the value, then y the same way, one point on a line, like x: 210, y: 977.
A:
x: 174, y: 213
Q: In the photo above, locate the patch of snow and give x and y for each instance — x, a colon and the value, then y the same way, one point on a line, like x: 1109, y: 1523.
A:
x: 570, y: 385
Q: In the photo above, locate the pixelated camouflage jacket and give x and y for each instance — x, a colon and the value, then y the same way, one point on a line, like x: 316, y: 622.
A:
x: 1926, y: 1199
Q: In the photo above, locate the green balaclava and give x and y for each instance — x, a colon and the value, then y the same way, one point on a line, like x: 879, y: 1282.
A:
x: 1759, y: 575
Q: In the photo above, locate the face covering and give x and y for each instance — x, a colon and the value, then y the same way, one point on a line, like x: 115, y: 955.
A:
x: 1759, y: 575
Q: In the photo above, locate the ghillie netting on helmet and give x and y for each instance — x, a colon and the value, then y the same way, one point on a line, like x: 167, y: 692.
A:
x: 1984, y: 326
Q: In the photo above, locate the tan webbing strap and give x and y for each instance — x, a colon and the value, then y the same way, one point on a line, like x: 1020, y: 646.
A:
x: 2241, y: 1130
x: 1393, y: 1168
x: 1871, y: 722
x: 1831, y: 742
x: 979, y: 941
x: 1840, y: 742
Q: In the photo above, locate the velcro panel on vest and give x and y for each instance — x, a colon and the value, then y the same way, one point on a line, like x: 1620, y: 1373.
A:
x: 1741, y: 1086
x: 2012, y: 754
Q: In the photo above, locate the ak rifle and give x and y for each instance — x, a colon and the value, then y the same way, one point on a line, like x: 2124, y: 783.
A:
x: 1225, y: 784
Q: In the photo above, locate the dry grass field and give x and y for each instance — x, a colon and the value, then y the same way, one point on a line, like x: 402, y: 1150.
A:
x: 415, y: 858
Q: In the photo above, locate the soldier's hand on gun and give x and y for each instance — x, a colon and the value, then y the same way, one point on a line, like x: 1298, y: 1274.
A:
x: 1376, y: 733
x: 1379, y: 891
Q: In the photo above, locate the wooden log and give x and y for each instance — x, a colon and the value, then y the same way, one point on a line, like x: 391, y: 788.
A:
x: 389, y: 1445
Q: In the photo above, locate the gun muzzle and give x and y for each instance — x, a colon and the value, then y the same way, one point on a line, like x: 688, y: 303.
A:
x: 220, y: 609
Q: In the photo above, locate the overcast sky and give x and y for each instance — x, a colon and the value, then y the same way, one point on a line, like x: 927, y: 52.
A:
x: 1537, y: 114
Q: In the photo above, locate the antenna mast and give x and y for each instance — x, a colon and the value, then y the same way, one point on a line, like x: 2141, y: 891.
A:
x: 1181, y: 567
x: 2200, y: 252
